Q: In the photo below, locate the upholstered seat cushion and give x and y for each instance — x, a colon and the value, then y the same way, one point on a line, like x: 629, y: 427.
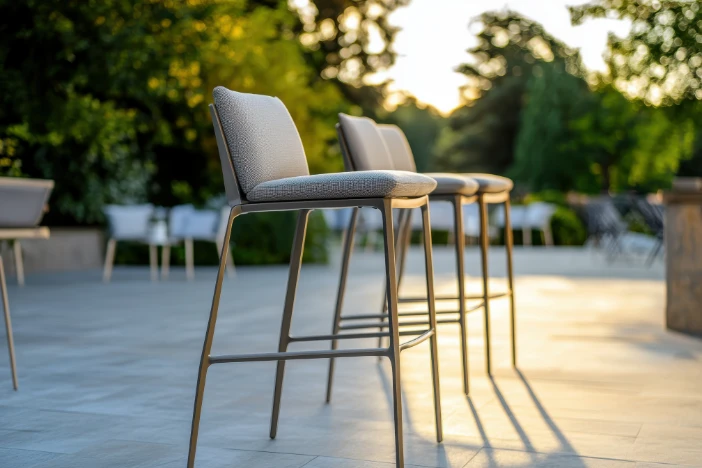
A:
x: 361, y: 184
x: 489, y: 183
x: 448, y: 184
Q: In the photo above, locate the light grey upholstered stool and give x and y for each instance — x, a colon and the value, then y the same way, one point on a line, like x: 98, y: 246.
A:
x: 265, y: 169
x: 457, y: 189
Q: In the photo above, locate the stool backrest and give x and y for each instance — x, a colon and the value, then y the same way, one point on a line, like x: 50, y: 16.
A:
x: 257, y: 141
x: 400, y: 151
x: 362, y: 144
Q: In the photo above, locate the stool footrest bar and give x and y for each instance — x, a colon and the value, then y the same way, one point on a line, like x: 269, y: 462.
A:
x: 420, y: 339
x: 296, y: 355
x: 346, y: 336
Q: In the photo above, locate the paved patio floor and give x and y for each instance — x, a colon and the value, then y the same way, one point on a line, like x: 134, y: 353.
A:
x: 107, y: 373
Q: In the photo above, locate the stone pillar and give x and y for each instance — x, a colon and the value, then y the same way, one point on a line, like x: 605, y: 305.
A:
x: 683, y: 243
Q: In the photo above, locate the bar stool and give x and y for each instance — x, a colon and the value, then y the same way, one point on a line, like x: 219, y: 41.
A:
x: 265, y: 169
x: 457, y: 189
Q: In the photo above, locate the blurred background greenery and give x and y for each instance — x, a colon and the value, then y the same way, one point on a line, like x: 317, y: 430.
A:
x: 109, y: 98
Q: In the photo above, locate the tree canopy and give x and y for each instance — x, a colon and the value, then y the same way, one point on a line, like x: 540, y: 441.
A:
x: 483, y: 132
x: 110, y: 98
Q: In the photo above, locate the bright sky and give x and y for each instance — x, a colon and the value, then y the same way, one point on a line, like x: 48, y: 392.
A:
x: 435, y: 36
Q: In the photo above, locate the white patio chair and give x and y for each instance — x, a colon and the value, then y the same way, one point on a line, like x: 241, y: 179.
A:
x: 129, y: 223
x: 533, y: 217
x: 187, y: 224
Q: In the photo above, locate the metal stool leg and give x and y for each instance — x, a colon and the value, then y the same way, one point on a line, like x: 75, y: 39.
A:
x: 484, y: 246
x: 509, y: 245
x: 209, y: 336
x: 431, y: 302
x: 348, y: 248
x: 401, y: 248
x: 293, y: 276
x: 461, y: 273
x: 394, y: 350
x: 8, y: 325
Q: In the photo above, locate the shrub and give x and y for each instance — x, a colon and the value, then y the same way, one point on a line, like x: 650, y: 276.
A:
x: 567, y: 227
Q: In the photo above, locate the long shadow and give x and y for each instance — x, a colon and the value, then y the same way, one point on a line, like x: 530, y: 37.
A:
x: 562, y: 439
x: 513, y: 419
x: 483, y: 435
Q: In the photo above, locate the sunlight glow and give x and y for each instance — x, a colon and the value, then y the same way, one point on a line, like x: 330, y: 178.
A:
x: 435, y: 36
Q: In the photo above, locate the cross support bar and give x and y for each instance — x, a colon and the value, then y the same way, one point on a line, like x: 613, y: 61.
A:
x: 420, y: 339
x: 297, y: 355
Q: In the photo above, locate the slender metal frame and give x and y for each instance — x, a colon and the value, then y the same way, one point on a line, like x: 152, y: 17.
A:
x: 8, y: 325
x: 456, y: 316
x: 392, y: 352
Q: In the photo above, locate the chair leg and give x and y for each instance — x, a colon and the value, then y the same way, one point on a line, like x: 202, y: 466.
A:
x: 461, y: 274
x: 484, y: 246
x: 293, y: 276
x: 153, y: 261
x: 189, y: 262
x: 231, y: 269
x: 400, y: 253
x: 526, y: 233
x: 348, y: 248
x: 19, y: 262
x: 394, y: 349
x: 509, y: 245
x: 209, y: 336
x: 548, y: 236
x: 165, y: 261
x: 8, y: 325
x: 431, y: 303
x: 109, y: 260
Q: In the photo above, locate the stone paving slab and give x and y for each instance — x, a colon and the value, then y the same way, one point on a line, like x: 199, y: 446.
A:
x: 107, y: 372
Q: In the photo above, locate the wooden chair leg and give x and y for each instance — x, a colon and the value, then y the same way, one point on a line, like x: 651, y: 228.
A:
x: 153, y: 261
x: 165, y: 261
x: 109, y: 260
x: 189, y: 260
x: 19, y: 262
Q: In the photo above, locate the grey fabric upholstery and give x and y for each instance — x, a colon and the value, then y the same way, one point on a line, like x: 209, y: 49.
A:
x: 360, y: 184
x: 398, y: 146
x: 403, y: 159
x: 368, y: 150
x: 262, y: 138
x: 448, y: 184
x: 490, y: 183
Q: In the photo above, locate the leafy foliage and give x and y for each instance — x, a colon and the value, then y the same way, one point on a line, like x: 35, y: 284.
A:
x: 483, y: 133
x: 109, y: 98
x: 545, y: 157
x: 660, y: 61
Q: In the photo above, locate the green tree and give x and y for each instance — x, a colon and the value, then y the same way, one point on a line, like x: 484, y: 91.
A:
x: 483, y: 132
x: 545, y: 157
x: 660, y: 60
x: 109, y: 98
